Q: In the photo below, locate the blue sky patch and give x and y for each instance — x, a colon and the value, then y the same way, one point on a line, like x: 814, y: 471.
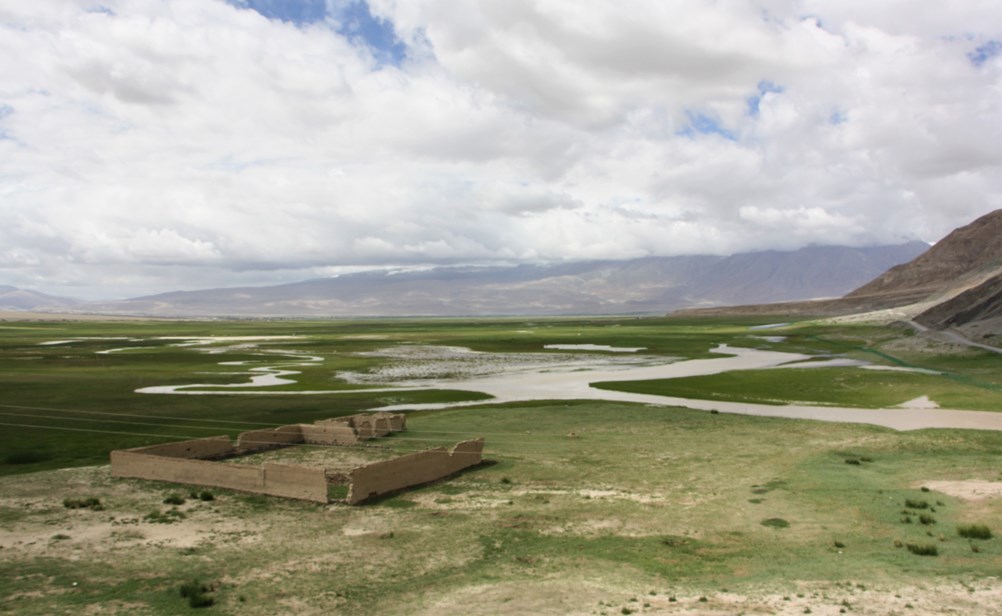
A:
x: 359, y: 24
x: 755, y: 100
x: 350, y: 18
x: 982, y: 54
x: 295, y: 11
x: 703, y: 124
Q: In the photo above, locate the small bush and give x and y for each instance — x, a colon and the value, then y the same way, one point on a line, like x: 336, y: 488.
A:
x: 853, y: 461
x: 775, y: 523
x: 927, y: 519
x: 916, y: 504
x: 923, y: 549
x: 839, y: 544
x: 506, y: 480
x: 206, y: 496
x: 91, y: 503
x: 197, y: 594
x: 974, y: 531
x: 168, y: 517
x: 174, y: 499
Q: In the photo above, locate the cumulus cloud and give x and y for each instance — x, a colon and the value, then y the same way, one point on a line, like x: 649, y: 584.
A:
x: 148, y: 145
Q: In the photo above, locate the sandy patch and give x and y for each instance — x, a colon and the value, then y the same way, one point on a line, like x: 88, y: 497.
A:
x: 901, y: 369
x: 969, y: 490
x: 610, y: 596
x: 922, y: 402
x: 593, y: 347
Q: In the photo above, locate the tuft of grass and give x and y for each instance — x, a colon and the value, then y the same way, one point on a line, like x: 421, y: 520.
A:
x: 197, y: 594
x: 916, y: 504
x: 974, y: 531
x: 90, y: 502
x: 775, y: 523
x: 164, y: 517
x: 923, y: 549
x: 927, y: 519
x: 174, y: 499
x: 206, y: 496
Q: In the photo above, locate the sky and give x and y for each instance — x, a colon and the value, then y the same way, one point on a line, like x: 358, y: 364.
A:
x: 157, y: 145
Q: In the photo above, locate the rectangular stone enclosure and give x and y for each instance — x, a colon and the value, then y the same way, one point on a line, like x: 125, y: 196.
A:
x: 199, y: 462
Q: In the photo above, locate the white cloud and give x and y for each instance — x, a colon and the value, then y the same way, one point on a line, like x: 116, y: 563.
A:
x: 153, y: 145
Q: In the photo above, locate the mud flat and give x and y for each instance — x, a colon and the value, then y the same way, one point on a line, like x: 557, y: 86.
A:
x: 578, y: 386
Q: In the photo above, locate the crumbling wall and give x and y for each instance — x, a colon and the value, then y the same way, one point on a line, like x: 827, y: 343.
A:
x: 283, y: 436
x: 188, y: 461
x: 293, y: 481
x: 140, y: 465
x: 211, y: 447
x: 332, y: 433
x: 276, y: 479
x: 414, y: 469
x: 352, y: 429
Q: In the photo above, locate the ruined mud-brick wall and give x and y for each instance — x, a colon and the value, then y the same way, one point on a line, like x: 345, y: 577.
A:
x: 258, y: 440
x: 158, y: 463
x: 329, y: 433
x: 202, y: 448
x: 414, y: 469
x: 353, y: 429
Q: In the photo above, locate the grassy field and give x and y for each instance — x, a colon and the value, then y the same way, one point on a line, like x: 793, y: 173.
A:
x: 590, y: 508
x: 84, y: 402
x: 587, y: 508
x: 959, y: 379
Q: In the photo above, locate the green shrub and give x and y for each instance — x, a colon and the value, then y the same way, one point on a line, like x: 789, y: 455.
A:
x: 206, y: 496
x: 775, y: 523
x: 197, y: 594
x: 974, y: 531
x: 923, y: 549
x: 90, y: 502
x: 927, y: 519
x: 168, y: 517
x: 174, y: 499
x: 916, y: 504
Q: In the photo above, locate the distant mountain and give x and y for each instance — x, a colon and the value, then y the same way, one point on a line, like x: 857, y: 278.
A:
x: 648, y: 285
x: 13, y: 298
x: 956, y: 283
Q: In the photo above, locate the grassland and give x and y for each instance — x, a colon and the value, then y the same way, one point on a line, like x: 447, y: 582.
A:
x: 590, y: 507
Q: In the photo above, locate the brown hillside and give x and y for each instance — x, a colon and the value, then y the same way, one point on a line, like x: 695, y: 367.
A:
x: 981, y: 303
x: 965, y: 251
x: 963, y: 259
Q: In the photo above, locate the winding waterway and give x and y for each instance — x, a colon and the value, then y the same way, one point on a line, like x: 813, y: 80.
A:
x: 573, y: 381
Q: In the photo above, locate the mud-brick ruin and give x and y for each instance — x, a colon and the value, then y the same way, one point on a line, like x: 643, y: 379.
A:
x: 202, y: 462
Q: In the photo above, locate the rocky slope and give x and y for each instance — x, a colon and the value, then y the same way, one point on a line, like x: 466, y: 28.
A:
x: 956, y: 283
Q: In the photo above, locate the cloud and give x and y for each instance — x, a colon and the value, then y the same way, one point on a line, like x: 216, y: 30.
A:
x: 148, y: 145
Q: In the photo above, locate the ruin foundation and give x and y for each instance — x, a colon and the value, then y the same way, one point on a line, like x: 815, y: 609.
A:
x: 197, y: 462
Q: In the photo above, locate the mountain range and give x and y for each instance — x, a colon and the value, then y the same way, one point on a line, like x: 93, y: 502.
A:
x: 13, y: 298
x: 651, y: 285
